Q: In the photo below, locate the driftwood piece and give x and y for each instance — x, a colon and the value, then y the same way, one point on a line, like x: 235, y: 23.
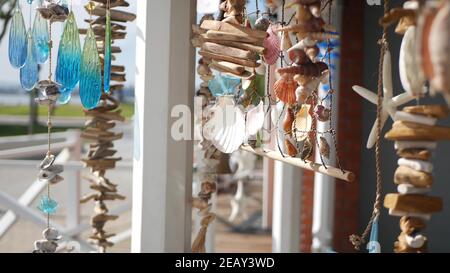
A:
x: 198, y: 40
x: 229, y: 51
x: 243, y: 62
x: 421, y: 154
x: 410, y: 176
x: 232, y: 28
x: 413, y: 203
x: 436, y: 111
x: 402, y: 131
x: 220, y: 35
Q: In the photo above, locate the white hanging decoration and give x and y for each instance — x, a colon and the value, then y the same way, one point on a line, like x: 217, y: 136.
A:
x: 412, y: 81
x: 207, y: 6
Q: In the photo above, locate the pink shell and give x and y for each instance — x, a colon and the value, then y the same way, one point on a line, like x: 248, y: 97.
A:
x: 272, y: 46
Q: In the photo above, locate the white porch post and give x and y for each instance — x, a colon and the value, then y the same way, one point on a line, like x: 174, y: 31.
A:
x: 162, y: 166
x: 324, y: 186
x: 287, y: 191
x: 286, y: 209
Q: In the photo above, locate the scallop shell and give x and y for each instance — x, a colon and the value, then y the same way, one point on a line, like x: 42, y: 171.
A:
x: 439, y: 49
x: 423, y: 33
x: 411, y: 80
x: 272, y: 46
x: 226, y: 128
x: 285, y: 88
x: 255, y: 120
x: 303, y: 123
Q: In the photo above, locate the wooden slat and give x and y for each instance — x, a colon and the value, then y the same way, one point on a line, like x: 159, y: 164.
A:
x: 413, y: 203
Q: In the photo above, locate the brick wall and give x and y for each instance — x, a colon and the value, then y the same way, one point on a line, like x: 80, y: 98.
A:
x: 350, y: 137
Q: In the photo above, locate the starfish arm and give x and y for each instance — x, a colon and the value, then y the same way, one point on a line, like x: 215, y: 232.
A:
x: 402, y: 99
x: 387, y: 75
x: 373, y: 133
x: 366, y: 93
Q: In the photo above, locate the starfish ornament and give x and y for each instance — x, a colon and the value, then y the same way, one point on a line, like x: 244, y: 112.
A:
x: 389, y: 104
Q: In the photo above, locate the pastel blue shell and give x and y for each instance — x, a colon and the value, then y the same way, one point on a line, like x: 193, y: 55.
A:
x: 69, y: 55
x: 17, y: 50
x: 91, y: 74
x: 41, y: 49
x: 107, y: 53
x: 47, y: 205
x: 223, y: 85
x: 29, y: 73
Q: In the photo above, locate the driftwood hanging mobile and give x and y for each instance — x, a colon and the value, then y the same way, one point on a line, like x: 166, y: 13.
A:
x: 50, y: 173
x: 415, y: 134
x: 103, y: 112
x: 232, y: 46
x: 415, y: 131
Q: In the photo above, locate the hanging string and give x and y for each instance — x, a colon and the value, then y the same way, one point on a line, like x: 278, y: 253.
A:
x: 356, y: 240
x: 257, y: 8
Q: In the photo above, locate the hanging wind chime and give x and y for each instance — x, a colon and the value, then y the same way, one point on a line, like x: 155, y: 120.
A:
x: 96, y: 92
x: 50, y: 173
x: 415, y: 131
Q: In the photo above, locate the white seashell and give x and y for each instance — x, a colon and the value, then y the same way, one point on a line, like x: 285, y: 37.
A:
x: 275, y: 113
x: 411, y: 5
x: 51, y: 234
x: 261, y: 69
x: 418, y: 165
x: 255, y: 120
x: 429, y: 145
x: 415, y: 242
x: 47, y: 162
x: 412, y: 81
x: 303, y: 123
x: 398, y: 213
x: 403, y: 116
x: 226, y: 128
x: 303, y: 44
x: 410, y: 189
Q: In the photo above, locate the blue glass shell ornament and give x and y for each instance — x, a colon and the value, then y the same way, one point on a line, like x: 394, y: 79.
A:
x: 91, y: 74
x: 107, y: 53
x: 41, y: 49
x: 69, y: 55
x: 17, y: 50
x: 374, y: 246
x: 29, y: 73
x: 47, y: 205
x: 223, y: 85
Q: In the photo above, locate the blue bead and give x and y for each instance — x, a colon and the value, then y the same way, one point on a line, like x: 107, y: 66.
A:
x: 47, y: 205
x: 91, y: 74
x: 29, y: 73
x: 223, y: 85
x: 69, y: 55
x: 17, y: 50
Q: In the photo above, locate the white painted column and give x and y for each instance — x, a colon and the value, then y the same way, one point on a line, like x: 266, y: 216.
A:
x: 162, y: 166
x: 286, y: 209
x: 324, y: 186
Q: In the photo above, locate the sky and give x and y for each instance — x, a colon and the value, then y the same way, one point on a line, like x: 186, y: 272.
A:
x: 10, y: 76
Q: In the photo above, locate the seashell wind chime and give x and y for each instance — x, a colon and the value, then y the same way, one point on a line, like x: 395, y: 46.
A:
x: 414, y: 131
x: 96, y: 92
x: 230, y: 47
x: 28, y: 49
x: 297, y: 86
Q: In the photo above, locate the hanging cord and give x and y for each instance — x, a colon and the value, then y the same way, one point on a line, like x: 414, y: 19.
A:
x: 356, y: 240
x: 257, y: 8
x: 49, y: 115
